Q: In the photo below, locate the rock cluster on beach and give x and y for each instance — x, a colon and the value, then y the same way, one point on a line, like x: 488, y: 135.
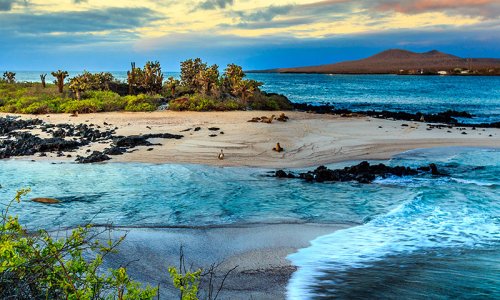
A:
x: 14, y: 141
x: 362, y: 173
x: 448, y: 117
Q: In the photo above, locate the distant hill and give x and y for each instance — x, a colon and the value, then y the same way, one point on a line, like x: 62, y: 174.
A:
x: 396, y: 61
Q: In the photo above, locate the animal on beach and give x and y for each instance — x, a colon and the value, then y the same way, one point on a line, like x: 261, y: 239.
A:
x: 221, y: 155
x: 278, y: 148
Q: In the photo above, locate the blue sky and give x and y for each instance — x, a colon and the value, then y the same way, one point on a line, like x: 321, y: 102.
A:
x: 108, y: 35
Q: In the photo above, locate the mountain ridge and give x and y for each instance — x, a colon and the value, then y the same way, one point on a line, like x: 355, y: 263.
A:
x: 400, y: 61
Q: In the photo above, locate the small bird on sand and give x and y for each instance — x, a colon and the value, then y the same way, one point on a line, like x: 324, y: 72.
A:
x: 278, y: 148
x: 221, y: 155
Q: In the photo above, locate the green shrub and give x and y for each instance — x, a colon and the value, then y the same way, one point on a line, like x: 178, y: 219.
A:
x: 82, y: 106
x: 197, y: 102
x: 106, y: 100
x: 142, y: 102
x: 38, y: 266
x: 266, y: 101
x: 36, y: 108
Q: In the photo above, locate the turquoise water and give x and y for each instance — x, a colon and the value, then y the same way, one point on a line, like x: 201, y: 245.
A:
x: 478, y: 95
x: 421, y: 237
x: 441, y: 242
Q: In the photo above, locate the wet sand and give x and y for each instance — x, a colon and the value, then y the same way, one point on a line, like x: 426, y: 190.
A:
x: 258, y: 251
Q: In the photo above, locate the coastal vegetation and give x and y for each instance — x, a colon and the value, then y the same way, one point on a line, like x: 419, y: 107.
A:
x: 200, y: 88
x: 37, y: 265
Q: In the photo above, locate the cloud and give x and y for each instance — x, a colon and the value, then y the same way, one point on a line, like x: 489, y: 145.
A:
x: 484, y: 8
x: 6, y: 5
x: 215, y: 4
x: 266, y: 14
x: 78, y: 21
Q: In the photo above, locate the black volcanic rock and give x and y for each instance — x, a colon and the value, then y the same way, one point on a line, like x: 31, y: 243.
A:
x: 95, y: 157
x: 364, y: 172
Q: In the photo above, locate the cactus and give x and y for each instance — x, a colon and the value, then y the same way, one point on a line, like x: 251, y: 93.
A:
x: 10, y: 77
x: 60, y: 76
x: 42, y: 78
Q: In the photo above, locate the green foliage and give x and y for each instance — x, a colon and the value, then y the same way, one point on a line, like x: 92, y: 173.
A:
x: 203, y: 88
x: 89, y: 81
x: 149, y: 79
x: 32, y: 98
x: 264, y: 101
x: 38, y: 266
x: 142, y: 102
x: 172, y: 85
x: 186, y: 283
x: 197, y: 102
x: 60, y: 76
x: 189, y: 71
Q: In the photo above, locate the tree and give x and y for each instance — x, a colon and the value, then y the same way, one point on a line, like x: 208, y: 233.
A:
x: 208, y: 80
x: 172, y: 85
x: 131, y: 78
x: 10, y: 77
x: 60, y: 76
x: 189, y: 71
x: 153, y: 77
x: 234, y: 74
x: 78, y: 85
x: 246, y: 88
x: 149, y: 79
x: 42, y: 78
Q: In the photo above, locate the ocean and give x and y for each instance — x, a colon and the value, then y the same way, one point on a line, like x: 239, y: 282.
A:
x: 479, y: 95
x: 416, y: 237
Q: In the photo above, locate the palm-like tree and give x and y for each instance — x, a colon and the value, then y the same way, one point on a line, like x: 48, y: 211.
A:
x: 172, y: 85
x: 10, y: 77
x: 60, y: 76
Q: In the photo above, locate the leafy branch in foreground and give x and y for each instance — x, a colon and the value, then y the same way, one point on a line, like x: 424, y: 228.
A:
x: 188, y: 281
x: 38, y: 266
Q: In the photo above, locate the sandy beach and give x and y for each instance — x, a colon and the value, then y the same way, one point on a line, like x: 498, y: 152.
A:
x: 257, y: 251
x: 308, y: 139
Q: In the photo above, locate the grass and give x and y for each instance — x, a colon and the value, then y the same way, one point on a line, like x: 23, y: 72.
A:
x: 31, y: 98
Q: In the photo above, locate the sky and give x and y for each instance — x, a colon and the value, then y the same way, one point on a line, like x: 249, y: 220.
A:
x: 100, y: 35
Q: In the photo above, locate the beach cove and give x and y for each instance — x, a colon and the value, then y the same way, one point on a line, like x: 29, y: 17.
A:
x: 179, y: 193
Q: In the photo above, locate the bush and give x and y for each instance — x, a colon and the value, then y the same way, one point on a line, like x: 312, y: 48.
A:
x: 265, y: 101
x: 106, y: 100
x: 82, y: 106
x: 37, y: 266
x: 195, y: 102
x: 142, y: 102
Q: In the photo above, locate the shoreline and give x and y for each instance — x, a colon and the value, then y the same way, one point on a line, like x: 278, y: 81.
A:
x: 309, y: 139
x: 259, y: 251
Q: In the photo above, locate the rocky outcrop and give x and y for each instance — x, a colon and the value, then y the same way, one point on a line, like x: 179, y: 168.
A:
x: 448, y: 117
x: 95, y: 157
x: 362, y: 173
x: 67, y: 137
